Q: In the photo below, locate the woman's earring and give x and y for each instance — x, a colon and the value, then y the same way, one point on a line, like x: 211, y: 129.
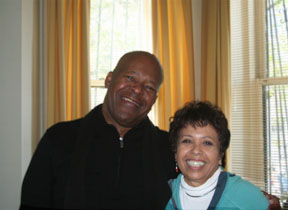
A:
x: 176, y: 168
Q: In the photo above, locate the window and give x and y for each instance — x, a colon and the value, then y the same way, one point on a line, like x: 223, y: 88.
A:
x: 259, y: 117
x: 116, y: 27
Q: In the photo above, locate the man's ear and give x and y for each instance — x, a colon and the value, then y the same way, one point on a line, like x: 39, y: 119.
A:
x: 108, y: 79
x: 155, y: 98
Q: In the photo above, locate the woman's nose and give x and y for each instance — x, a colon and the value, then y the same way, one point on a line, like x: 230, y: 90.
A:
x: 196, y: 149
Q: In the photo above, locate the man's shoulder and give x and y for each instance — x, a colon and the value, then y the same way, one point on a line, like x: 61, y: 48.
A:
x: 64, y: 128
x: 68, y: 128
x: 161, y: 132
x: 62, y: 135
x: 162, y: 136
x: 67, y: 132
x: 154, y: 129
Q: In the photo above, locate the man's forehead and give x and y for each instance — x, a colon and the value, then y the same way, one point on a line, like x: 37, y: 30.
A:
x: 133, y: 65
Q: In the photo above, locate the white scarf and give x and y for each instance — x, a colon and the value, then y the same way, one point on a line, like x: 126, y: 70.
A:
x: 198, y: 197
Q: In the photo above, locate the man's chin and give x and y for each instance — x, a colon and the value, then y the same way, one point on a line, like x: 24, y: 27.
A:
x: 130, y: 121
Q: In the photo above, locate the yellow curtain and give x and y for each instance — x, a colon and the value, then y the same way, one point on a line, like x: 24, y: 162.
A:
x: 173, y: 45
x: 215, y: 61
x: 66, y: 59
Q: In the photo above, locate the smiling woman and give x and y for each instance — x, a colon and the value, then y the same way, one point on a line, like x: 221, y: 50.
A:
x: 200, y: 136
x: 198, y: 154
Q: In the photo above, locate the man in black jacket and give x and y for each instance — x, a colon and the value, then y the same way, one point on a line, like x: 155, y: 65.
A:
x: 114, y: 157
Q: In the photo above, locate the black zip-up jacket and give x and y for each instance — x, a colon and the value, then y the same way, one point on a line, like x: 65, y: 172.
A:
x: 83, y: 164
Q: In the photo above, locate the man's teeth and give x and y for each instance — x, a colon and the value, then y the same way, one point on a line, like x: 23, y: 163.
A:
x: 131, y: 101
x: 195, y: 163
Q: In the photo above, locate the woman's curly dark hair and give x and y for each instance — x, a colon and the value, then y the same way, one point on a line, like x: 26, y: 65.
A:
x: 200, y: 114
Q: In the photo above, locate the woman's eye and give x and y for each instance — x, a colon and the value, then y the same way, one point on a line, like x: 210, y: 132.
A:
x: 186, y: 141
x: 208, y: 143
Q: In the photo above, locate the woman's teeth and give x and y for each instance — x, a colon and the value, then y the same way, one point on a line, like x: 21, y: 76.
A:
x: 195, y: 163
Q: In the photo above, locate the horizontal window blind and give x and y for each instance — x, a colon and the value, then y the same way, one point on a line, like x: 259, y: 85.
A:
x: 247, y: 148
x: 259, y: 117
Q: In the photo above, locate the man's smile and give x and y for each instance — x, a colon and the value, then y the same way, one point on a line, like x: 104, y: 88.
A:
x: 130, y: 100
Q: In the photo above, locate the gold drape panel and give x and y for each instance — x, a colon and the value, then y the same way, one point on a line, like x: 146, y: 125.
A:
x: 173, y: 45
x: 66, y: 59
x: 216, y: 54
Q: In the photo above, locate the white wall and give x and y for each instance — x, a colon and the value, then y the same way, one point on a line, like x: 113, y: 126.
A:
x: 26, y: 82
x: 15, y: 97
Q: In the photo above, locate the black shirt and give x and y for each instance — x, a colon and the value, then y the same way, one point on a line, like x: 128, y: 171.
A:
x: 119, y: 174
x: 80, y: 165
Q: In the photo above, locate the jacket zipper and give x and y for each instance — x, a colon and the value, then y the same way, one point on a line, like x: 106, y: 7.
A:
x: 119, y: 162
x: 121, y: 142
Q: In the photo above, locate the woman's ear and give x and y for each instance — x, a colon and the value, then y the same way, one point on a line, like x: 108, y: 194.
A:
x: 108, y: 79
x: 175, y: 156
x: 220, y: 159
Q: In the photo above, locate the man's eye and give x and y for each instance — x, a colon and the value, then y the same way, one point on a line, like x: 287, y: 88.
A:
x: 150, y: 88
x: 130, y: 78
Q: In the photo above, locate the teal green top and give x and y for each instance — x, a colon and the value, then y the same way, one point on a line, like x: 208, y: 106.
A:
x: 232, y: 192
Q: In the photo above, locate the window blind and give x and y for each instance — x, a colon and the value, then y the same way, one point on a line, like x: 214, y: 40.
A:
x: 259, y: 71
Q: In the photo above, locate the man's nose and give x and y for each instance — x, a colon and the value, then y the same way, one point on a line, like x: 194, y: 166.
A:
x: 137, y: 88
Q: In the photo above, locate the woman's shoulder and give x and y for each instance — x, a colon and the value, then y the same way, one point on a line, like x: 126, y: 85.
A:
x: 241, y: 193
x: 237, y: 181
x: 174, y: 183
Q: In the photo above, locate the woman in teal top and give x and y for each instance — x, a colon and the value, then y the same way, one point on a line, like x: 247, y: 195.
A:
x: 200, y: 136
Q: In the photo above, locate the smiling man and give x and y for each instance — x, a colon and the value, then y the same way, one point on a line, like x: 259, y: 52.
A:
x: 132, y: 90
x: 114, y: 157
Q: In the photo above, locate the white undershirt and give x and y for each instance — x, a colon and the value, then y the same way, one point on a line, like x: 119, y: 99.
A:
x: 205, y: 191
